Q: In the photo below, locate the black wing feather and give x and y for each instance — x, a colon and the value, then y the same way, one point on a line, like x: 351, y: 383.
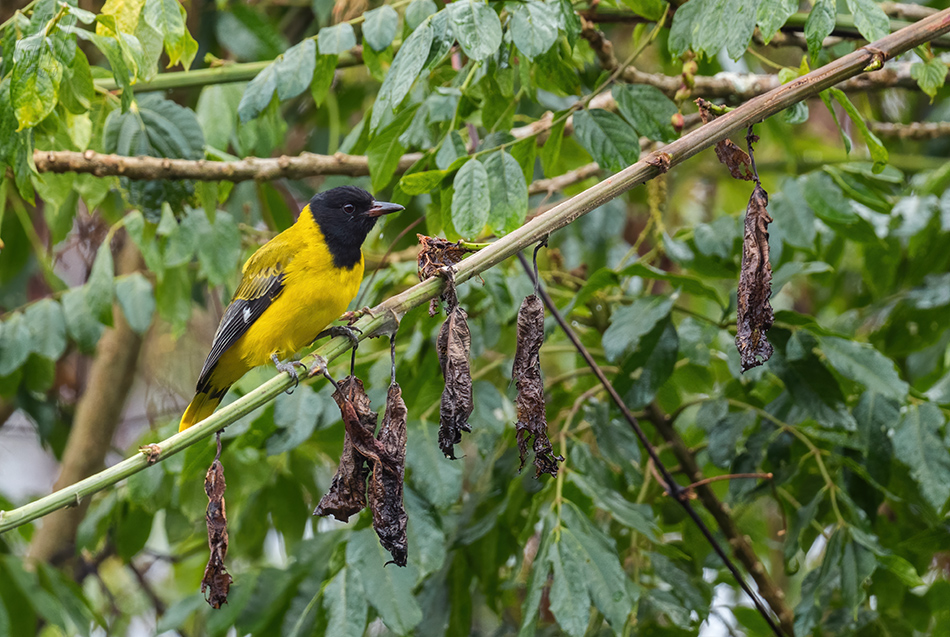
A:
x: 252, y: 297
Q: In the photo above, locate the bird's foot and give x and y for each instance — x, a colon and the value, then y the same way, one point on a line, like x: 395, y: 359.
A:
x: 289, y: 368
x: 355, y: 315
x: 320, y: 367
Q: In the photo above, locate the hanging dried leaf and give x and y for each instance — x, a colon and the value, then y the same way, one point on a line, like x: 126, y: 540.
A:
x: 735, y: 159
x: 347, y: 493
x: 755, y: 285
x: 526, y: 372
x: 435, y: 254
x: 216, y: 580
x: 453, y: 345
x: 386, y: 483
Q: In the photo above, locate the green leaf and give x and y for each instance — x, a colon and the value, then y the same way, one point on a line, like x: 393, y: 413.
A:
x: 294, y: 69
x: 296, y: 417
x: 100, y: 289
x: 345, y: 603
x: 688, y: 284
x: 919, y: 445
x: 168, y: 18
x: 631, y: 323
x: 865, y: 365
x: 930, y: 75
x: 875, y: 147
x: 533, y: 27
x: 323, y: 78
x: 472, y: 201
x: 389, y: 590
x: 551, y: 151
x: 137, y: 301
x: 406, y: 66
x: 477, y: 27
x: 379, y: 27
x: 258, y: 93
x: 682, y: 29
x: 509, y: 193
x: 649, y: 9
x: 870, y: 19
x: 772, y: 15
x: 219, y: 246
x: 610, y: 141
x: 337, y: 39
x: 570, y: 601
x: 422, y: 182
x: 903, y: 569
x: 384, y: 152
x: 818, y: 26
x: 47, y: 327
x: 418, y: 11
x: 83, y: 326
x: 15, y: 345
x: 647, y: 109
x: 216, y: 112
x: 34, y: 86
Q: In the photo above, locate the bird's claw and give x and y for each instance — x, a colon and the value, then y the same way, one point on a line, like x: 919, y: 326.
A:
x: 355, y: 315
x: 320, y: 367
x: 289, y: 368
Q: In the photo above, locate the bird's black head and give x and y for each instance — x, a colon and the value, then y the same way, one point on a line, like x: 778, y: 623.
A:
x: 346, y: 215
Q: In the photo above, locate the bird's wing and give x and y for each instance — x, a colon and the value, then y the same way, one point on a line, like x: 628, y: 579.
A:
x: 263, y: 281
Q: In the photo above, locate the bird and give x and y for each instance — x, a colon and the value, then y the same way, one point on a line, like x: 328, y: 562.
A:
x: 291, y: 288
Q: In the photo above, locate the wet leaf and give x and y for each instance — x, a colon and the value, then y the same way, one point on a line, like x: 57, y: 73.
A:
x: 526, y: 372
x: 453, y: 345
x: 754, y: 312
x: 216, y: 580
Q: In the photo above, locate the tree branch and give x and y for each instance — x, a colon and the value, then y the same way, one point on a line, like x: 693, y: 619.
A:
x: 386, y: 315
x: 916, y: 130
x: 741, y: 547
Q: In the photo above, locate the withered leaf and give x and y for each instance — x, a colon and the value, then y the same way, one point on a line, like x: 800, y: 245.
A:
x: 526, y: 372
x: 453, y: 345
x: 216, y: 580
x: 754, y: 312
x: 386, y: 483
x: 436, y: 253
x: 735, y: 159
x: 347, y: 493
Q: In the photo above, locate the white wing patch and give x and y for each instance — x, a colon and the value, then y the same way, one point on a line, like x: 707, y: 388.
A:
x: 247, y: 314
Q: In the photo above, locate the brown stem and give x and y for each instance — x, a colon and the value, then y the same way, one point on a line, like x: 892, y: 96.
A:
x: 915, y: 130
x: 741, y: 547
x: 97, y: 415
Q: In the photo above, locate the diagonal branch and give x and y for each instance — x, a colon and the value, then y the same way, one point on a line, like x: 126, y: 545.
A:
x: 385, y: 315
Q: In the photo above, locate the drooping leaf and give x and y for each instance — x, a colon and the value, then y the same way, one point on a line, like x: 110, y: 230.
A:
x: 819, y: 25
x: 631, y: 323
x: 477, y: 27
x: 919, y: 445
x: 930, y: 75
x: 406, y: 66
x: 772, y: 15
x: 337, y: 39
x: 294, y: 69
x: 533, y: 27
x: 100, y: 289
x: 389, y: 590
x: 472, y: 201
x: 647, y: 109
x: 135, y: 297
x: 610, y: 141
x: 870, y: 19
x: 863, y: 364
x: 379, y: 27
x: 508, y: 193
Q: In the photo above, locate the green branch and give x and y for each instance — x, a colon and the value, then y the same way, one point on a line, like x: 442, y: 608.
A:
x: 384, y: 317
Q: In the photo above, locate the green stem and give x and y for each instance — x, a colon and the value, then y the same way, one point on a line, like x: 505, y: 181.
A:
x: 28, y: 7
x: 385, y: 316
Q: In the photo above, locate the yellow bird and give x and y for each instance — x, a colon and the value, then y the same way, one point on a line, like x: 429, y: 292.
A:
x: 291, y: 289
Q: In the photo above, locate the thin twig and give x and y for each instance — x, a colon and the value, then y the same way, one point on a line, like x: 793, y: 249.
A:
x: 673, y: 488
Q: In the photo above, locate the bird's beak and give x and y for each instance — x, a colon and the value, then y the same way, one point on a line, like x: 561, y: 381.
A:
x: 381, y: 208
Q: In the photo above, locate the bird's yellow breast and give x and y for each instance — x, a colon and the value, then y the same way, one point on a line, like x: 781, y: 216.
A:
x: 315, y: 293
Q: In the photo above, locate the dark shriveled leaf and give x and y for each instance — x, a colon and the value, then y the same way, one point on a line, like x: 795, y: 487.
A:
x: 435, y: 254
x: 754, y: 312
x: 526, y: 372
x: 216, y: 580
x: 347, y: 493
x: 735, y: 159
x: 453, y: 345
x: 386, y: 483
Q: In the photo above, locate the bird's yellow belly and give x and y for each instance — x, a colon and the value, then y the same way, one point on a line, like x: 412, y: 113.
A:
x: 304, y: 308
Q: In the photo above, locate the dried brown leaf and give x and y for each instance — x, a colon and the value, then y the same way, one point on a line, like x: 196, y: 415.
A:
x: 526, y: 372
x: 216, y: 580
x: 386, y: 483
x: 436, y: 254
x: 754, y: 312
x: 453, y: 345
x: 347, y: 493
x: 735, y: 159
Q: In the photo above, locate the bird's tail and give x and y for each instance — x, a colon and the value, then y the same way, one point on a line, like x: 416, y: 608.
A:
x: 201, y: 406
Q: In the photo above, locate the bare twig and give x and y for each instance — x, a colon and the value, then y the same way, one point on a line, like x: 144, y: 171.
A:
x: 915, y: 130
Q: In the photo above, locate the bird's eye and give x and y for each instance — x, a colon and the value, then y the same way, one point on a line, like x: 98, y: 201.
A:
x: 349, y: 208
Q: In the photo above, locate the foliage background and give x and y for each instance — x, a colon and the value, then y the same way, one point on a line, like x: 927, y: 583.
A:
x: 110, y: 279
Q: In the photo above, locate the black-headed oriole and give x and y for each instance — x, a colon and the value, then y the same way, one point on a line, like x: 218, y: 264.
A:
x: 291, y: 289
